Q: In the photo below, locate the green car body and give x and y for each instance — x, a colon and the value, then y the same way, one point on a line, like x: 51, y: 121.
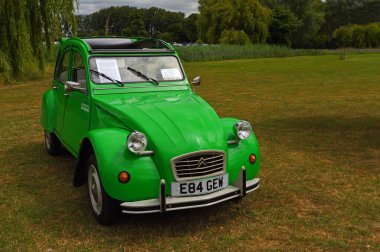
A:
x: 95, y: 119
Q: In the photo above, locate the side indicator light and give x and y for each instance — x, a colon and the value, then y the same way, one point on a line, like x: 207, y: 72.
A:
x: 252, y: 158
x: 124, y: 177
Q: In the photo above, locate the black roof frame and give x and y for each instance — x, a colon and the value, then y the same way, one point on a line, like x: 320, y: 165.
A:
x: 117, y: 45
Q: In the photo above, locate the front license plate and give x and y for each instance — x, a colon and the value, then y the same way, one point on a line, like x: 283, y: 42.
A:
x: 200, y: 186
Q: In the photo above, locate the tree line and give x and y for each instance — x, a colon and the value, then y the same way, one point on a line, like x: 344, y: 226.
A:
x: 294, y: 23
x: 136, y: 22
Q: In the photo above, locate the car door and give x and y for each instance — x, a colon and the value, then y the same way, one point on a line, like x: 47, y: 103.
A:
x: 61, y: 75
x: 77, y: 110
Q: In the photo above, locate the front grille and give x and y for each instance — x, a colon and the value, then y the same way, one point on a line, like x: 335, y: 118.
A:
x: 198, y: 165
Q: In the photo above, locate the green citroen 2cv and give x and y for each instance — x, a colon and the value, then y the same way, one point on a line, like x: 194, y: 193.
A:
x: 144, y: 141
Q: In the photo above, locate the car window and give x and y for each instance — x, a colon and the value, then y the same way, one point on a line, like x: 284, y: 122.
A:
x: 64, y: 67
x: 79, y: 74
x: 161, y: 68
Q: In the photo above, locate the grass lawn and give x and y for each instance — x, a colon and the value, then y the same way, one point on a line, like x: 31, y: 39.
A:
x: 318, y: 122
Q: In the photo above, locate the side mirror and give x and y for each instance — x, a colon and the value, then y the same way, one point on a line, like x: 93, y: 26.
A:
x: 72, y: 85
x: 196, y: 81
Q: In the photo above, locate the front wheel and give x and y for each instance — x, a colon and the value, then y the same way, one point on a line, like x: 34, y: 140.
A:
x: 105, y: 209
x: 52, y: 144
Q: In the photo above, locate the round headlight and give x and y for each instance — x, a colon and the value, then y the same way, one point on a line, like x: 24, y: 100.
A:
x: 243, y: 129
x: 137, y: 142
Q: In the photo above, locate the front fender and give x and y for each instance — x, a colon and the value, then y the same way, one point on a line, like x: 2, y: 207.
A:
x: 113, y: 156
x: 238, y: 154
x: 49, y: 110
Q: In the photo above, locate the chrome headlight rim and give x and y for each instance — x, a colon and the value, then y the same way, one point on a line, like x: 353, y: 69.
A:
x: 243, y: 129
x: 137, y: 142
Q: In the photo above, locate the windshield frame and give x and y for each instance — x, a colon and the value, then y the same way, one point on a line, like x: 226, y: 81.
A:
x: 143, y: 81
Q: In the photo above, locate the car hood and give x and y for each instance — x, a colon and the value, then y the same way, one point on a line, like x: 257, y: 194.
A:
x: 175, y: 123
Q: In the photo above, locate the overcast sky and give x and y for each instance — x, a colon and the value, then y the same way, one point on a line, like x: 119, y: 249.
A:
x: 185, y: 6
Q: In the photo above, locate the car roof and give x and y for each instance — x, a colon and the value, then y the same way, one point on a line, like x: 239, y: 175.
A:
x: 108, y: 43
x: 121, y: 44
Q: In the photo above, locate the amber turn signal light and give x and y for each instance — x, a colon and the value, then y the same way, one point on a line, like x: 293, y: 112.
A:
x: 252, y: 158
x: 124, y: 177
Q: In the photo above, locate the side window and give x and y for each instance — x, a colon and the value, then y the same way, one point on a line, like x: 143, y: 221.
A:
x: 79, y: 74
x: 64, y: 68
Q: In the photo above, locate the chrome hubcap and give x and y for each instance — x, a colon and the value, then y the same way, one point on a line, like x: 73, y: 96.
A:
x: 94, y: 189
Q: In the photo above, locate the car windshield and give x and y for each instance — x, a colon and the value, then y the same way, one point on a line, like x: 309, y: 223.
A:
x: 126, y: 68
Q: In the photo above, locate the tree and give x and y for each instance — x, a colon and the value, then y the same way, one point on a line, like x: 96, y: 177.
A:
x: 284, y: 23
x: 190, y: 27
x: 311, y: 16
x: 160, y: 20
x: 339, y: 13
x: 372, y: 34
x: 25, y: 25
x: 358, y: 36
x: 135, y: 28
x: 249, y: 16
x: 234, y: 37
x: 343, y: 36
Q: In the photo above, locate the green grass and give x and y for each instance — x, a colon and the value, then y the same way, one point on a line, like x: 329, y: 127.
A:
x: 318, y: 122
x: 229, y: 52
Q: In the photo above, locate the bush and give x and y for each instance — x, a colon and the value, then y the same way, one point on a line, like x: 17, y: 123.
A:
x: 343, y: 35
x: 372, y: 34
x: 249, y: 51
x: 358, y: 36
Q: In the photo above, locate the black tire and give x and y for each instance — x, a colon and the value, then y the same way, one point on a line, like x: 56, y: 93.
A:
x: 106, y: 210
x: 52, y: 144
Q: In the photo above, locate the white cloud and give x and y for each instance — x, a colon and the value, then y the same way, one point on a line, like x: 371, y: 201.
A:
x: 185, y: 6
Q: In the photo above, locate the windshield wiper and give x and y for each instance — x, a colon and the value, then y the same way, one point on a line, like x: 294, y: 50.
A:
x: 107, y: 77
x: 141, y: 75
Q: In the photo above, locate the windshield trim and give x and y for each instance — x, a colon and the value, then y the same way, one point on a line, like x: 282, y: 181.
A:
x: 142, y: 80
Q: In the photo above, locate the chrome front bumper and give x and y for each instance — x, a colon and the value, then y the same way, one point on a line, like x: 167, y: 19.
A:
x: 167, y: 203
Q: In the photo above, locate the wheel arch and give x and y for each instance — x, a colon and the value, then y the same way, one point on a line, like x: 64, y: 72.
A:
x: 112, y: 156
x: 85, y: 151
x: 104, y: 143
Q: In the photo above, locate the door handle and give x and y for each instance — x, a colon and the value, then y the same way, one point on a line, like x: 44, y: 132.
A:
x: 55, y: 87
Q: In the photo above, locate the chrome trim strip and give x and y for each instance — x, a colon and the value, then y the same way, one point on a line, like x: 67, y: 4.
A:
x: 195, y: 153
x: 203, y: 205
x: 235, y: 141
x: 141, y: 212
x: 145, y: 153
x: 196, y: 173
x: 252, y: 185
x: 209, y: 160
x: 154, y: 205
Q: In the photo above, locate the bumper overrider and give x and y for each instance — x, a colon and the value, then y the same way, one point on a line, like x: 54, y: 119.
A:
x: 166, y: 203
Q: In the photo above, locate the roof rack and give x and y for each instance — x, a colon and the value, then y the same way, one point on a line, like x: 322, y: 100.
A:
x: 117, y: 45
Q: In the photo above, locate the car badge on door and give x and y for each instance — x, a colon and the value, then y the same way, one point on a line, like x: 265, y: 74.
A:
x: 85, y: 107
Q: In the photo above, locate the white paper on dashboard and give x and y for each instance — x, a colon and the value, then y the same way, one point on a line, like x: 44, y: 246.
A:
x: 108, y: 67
x: 171, y: 74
